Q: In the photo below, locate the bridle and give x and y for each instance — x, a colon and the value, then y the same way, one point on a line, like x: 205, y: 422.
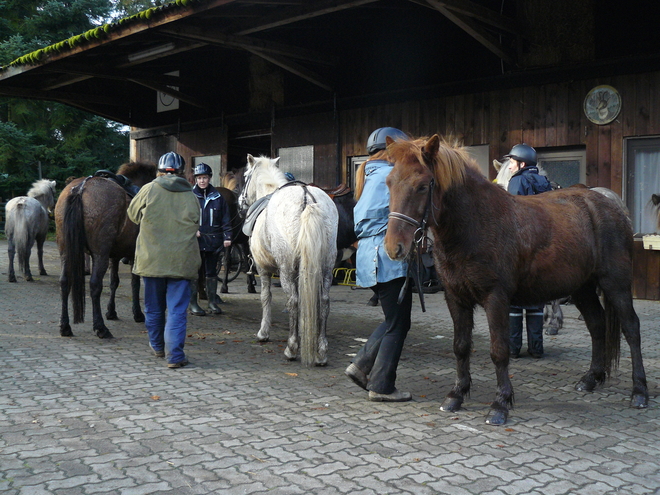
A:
x: 419, y: 238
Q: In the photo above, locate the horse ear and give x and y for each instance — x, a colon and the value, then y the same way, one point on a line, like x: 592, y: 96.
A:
x: 430, y: 149
x: 388, y: 140
x: 497, y: 165
x: 276, y: 161
x: 250, y: 160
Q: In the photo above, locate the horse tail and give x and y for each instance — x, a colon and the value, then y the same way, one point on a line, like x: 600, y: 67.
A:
x: 313, y: 250
x: 21, y: 236
x: 612, y: 336
x: 73, y: 234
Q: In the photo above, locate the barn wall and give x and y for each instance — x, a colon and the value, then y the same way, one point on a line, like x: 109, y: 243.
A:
x: 549, y: 116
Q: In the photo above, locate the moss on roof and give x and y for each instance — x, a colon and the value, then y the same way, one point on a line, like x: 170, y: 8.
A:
x: 35, y: 57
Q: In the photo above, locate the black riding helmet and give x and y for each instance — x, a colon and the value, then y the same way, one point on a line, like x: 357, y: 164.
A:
x: 376, y: 141
x: 202, y: 169
x: 523, y: 153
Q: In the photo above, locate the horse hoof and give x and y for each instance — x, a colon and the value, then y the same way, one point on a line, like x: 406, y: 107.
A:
x: 451, y: 404
x: 321, y: 362
x: 66, y: 332
x: 639, y: 401
x: 289, y: 355
x: 585, y: 385
x: 496, y: 417
x: 252, y: 290
x: 43, y: 272
x: 29, y: 278
x: 224, y: 290
x: 139, y: 318
x: 111, y: 316
x: 104, y: 333
x: 12, y: 279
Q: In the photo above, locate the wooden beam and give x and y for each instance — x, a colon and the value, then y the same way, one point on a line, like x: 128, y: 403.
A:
x: 308, y: 11
x: 293, y: 68
x: 243, y: 42
x: 475, y: 11
x: 475, y: 31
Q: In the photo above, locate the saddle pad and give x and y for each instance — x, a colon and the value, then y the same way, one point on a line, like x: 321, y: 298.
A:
x: 253, y: 212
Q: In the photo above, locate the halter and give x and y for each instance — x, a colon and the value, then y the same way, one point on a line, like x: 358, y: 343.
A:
x: 418, y: 239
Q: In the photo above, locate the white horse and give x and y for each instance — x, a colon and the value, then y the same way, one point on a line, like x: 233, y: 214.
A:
x: 27, y: 222
x: 295, y: 236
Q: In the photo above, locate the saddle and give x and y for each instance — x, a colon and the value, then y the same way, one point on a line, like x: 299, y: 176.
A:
x: 120, y: 180
x: 341, y: 190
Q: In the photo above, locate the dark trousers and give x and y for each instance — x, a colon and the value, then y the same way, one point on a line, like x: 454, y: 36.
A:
x: 379, y: 357
x: 209, y: 266
x: 534, y: 320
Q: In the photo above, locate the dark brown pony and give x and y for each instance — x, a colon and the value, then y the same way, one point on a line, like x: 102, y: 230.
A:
x: 90, y: 216
x: 495, y: 249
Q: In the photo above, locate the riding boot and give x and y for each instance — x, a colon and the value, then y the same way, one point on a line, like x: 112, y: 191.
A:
x: 515, y: 331
x: 194, y: 308
x: 534, y: 321
x: 211, y: 287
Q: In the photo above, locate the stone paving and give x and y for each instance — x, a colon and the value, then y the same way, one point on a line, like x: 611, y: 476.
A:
x: 85, y: 416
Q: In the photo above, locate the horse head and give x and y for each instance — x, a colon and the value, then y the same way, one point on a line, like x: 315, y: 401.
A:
x: 261, y: 177
x: 423, y: 170
x: 44, y: 191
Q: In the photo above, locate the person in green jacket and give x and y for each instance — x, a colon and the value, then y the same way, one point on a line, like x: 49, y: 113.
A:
x: 167, y: 255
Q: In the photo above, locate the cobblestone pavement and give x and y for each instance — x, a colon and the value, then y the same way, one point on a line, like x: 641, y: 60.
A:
x: 85, y: 416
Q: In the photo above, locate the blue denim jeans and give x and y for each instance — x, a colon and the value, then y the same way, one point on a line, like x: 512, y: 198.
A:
x: 167, y: 332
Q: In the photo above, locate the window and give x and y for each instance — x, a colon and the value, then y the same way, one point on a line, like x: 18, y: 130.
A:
x: 355, y: 162
x: 480, y: 154
x: 213, y: 161
x: 642, y: 172
x: 298, y: 160
x: 566, y: 168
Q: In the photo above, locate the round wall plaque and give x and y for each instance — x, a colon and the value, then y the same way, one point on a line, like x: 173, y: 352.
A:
x: 602, y: 104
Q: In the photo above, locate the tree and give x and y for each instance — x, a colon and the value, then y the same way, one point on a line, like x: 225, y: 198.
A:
x: 58, y: 140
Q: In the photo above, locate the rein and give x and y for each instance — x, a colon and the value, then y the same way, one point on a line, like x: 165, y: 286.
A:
x: 419, y: 237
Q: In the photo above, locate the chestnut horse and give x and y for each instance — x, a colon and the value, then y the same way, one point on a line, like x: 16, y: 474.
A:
x: 90, y: 216
x: 495, y: 249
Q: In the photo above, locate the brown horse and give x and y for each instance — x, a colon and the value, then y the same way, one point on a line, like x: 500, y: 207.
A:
x: 495, y: 249
x: 90, y: 217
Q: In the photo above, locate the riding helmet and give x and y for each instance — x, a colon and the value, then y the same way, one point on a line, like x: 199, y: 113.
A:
x: 202, y: 169
x: 171, y: 162
x: 523, y: 153
x: 376, y: 141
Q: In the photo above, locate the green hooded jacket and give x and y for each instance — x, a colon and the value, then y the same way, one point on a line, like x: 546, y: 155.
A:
x: 167, y: 212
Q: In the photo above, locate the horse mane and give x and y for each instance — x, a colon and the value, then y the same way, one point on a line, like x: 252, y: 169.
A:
x: 42, y: 187
x: 135, y: 169
x: 447, y: 159
x: 229, y: 181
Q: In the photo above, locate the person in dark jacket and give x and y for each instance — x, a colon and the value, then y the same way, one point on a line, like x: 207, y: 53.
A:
x: 526, y: 181
x: 214, y: 235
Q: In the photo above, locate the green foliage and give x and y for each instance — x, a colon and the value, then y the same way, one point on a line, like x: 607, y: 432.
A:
x: 61, y: 141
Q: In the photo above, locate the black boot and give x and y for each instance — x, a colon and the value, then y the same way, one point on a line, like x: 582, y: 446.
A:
x: 534, y: 321
x: 211, y: 287
x: 515, y: 331
x: 194, y: 308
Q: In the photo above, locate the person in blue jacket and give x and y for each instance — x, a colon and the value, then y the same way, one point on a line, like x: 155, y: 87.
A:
x: 374, y: 367
x: 213, y: 236
x: 526, y: 181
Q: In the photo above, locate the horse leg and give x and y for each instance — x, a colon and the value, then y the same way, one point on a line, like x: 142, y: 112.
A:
x: 65, y: 288
x: 621, y: 302
x: 266, y: 297
x: 324, y: 306
x: 11, y: 251
x: 99, y: 267
x: 587, y: 302
x: 463, y: 324
x: 497, y: 313
x: 553, y: 317
x: 138, y: 315
x: 225, y: 266
x: 111, y: 312
x: 251, y: 279
x: 40, y: 255
x: 290, y: 287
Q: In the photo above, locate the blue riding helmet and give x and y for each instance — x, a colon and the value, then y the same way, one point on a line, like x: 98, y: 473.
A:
x: 523, y: 153
x: 376, y: 141
x: 289, y: 176
x: 202, y: 169
x: 171, y: 162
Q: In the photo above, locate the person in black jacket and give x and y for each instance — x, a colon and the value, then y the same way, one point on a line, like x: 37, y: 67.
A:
x: 214, y: 235
x: 526, y: 181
